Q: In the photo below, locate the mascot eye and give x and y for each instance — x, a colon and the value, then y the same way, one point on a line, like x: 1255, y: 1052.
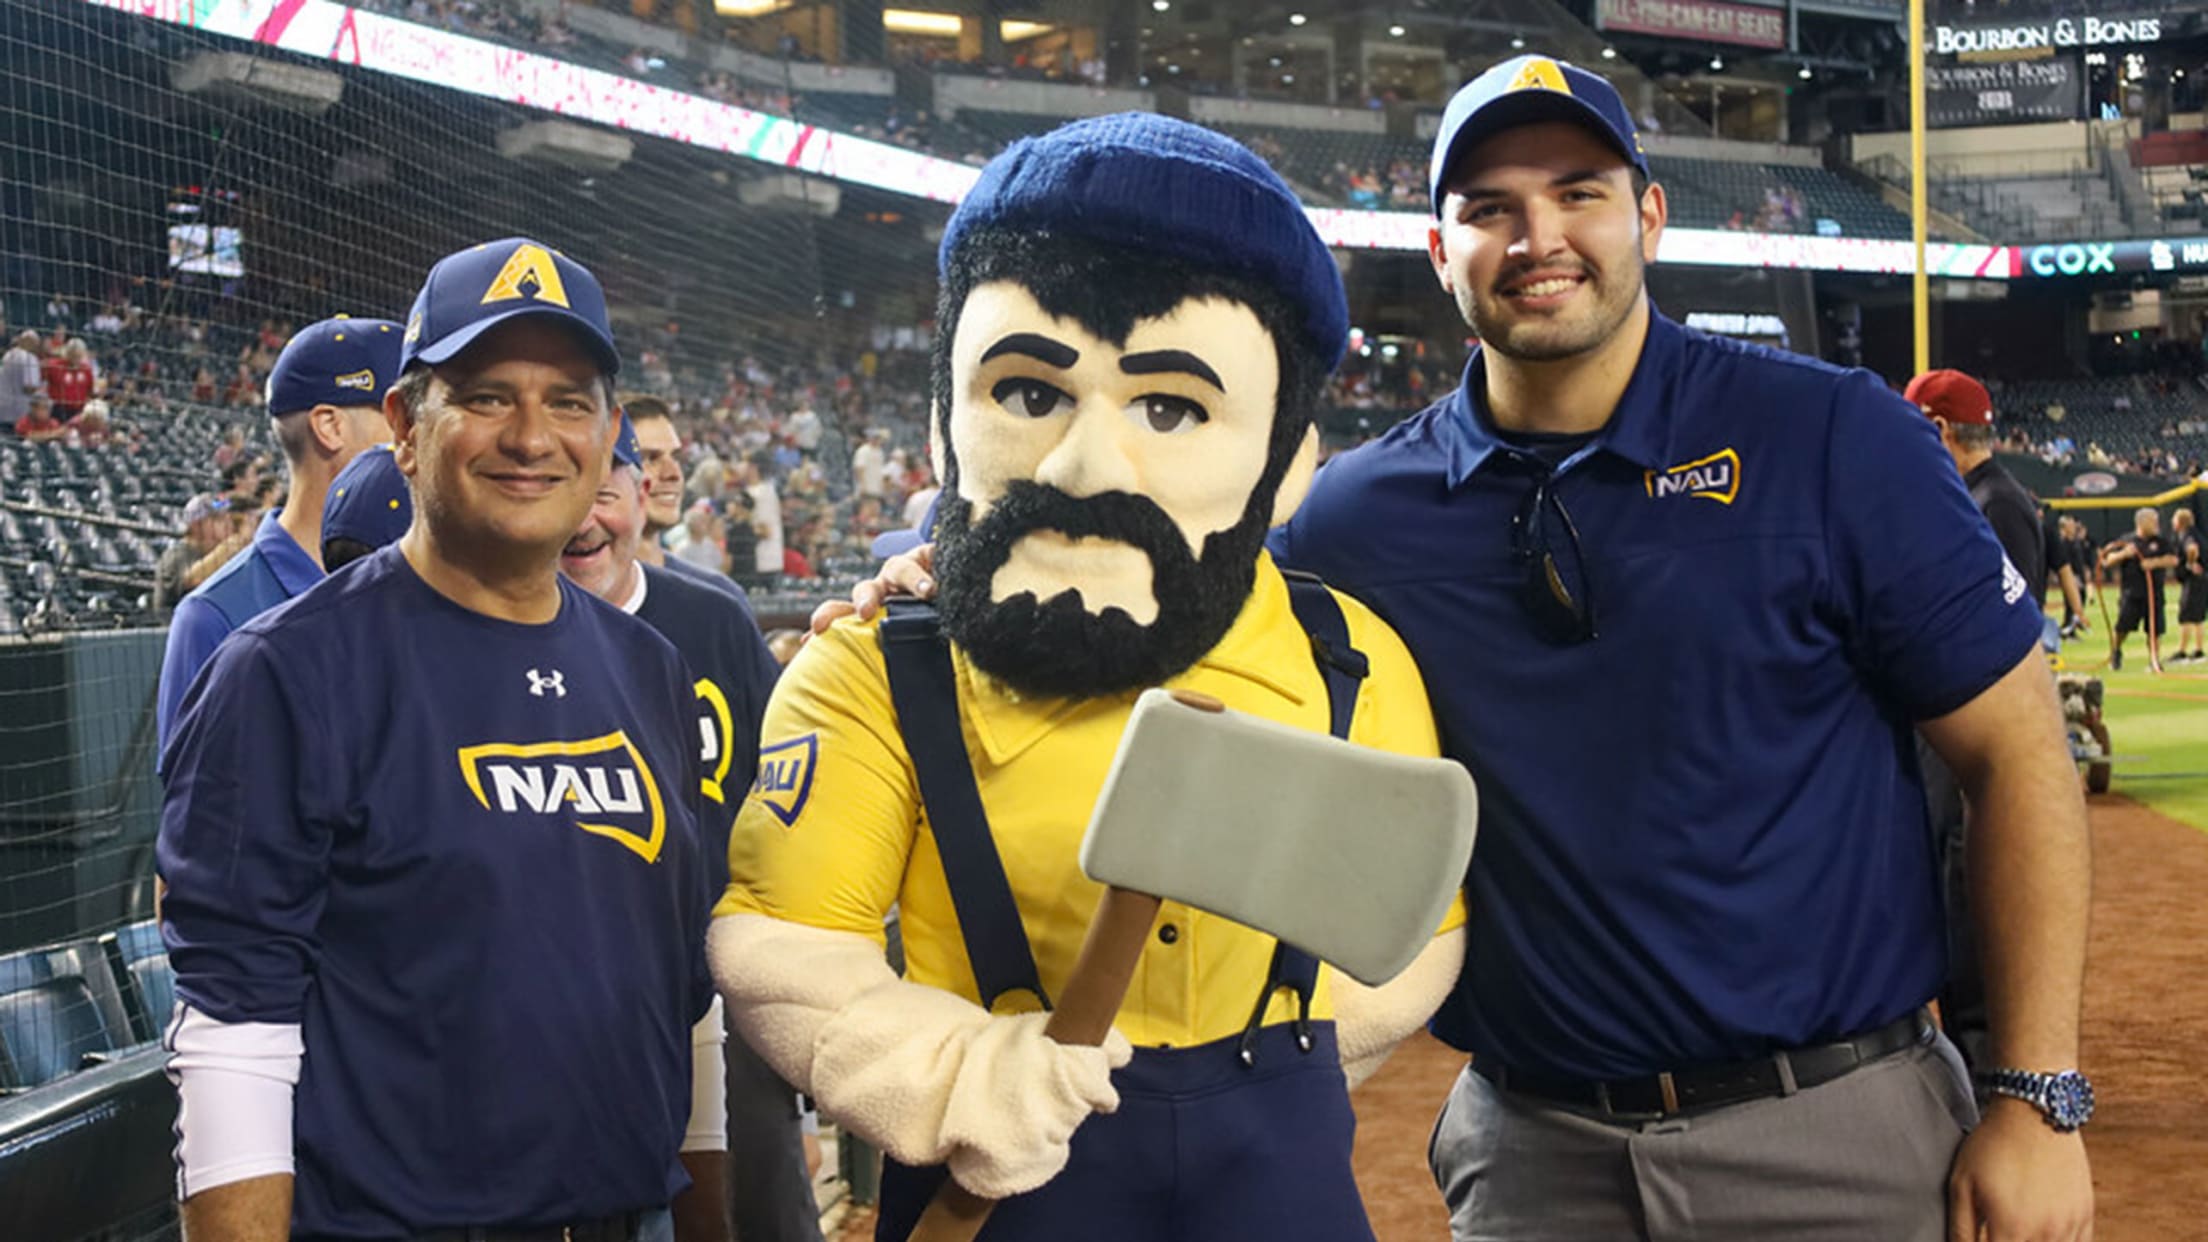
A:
x: 1029, y: 398
x: 1168, y: 415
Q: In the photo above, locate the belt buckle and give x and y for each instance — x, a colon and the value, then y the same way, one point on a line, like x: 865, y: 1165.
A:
x: 1670, y: 1090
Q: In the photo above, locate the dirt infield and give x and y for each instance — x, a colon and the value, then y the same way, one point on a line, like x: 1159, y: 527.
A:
x: 2145, y: 1044
x: 2146, y: 1033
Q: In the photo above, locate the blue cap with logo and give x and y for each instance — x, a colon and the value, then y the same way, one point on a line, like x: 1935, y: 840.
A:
x: 477, y: 289
x: 625, y: 450
x: 1157, y: 184
x: 341, y: 361
x: 1522, y: 91
x: 369, y: 500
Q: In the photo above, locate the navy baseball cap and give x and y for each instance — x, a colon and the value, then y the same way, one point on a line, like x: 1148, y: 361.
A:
x: 625, y: 451
x: 341, y: 361
x: 369, y: 500
x: 1153, y: 183
x: 469, y: 293
x: 1524, y: 90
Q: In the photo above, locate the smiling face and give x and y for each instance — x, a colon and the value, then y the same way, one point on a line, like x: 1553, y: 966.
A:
x: 658, y: 445
x: 1543, y: 242
x: 508, y: 442
x: 601, y: 558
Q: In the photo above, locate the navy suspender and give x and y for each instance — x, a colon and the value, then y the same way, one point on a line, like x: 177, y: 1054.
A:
x: 924, y: 688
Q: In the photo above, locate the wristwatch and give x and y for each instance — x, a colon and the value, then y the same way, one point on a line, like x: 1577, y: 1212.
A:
x: 2065, y: 1099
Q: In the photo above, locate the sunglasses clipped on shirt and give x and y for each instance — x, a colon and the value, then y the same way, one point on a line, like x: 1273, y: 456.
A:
x: 1560, y: 613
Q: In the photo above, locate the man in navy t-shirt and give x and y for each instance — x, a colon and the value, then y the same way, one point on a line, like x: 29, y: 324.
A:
x: 712, y: 629
x: 1680, y: 602
x: 436, y: 884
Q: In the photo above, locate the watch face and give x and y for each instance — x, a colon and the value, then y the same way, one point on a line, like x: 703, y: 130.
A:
x: 2070, y: 1099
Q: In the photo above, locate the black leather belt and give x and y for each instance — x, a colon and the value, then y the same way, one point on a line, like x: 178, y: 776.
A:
x: 622, y: 1228
x: 1714, y: 1086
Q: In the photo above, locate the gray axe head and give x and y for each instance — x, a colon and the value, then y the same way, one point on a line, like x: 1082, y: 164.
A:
x: 1348, y: 853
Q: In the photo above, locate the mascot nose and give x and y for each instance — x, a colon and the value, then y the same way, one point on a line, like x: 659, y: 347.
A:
x: 1095, y: 456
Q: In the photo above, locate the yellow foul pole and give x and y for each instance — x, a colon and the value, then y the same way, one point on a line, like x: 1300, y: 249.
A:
x: 1920, y: 287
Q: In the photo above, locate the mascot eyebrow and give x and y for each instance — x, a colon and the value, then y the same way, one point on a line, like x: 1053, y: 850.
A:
x: 1062, y: 356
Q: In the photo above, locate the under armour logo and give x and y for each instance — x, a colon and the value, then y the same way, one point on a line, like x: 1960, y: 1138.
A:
x: 556, y: 683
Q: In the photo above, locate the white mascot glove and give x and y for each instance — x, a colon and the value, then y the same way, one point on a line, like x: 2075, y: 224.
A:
x: 928, y: 1077
x: 1370, y: 1022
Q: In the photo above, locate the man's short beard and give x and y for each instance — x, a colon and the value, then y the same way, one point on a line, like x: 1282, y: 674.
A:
x: 1057, y: 648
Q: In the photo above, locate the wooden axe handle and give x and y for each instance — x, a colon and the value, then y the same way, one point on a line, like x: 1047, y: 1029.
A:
x: 1109, y: 954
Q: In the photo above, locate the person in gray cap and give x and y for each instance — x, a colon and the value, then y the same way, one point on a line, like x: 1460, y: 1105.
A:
x: 325, y: 403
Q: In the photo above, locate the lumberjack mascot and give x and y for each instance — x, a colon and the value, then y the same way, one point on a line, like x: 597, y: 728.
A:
x: 1136, y: 321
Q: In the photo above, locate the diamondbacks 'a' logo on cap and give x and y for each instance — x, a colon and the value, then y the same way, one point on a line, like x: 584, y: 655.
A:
x: 1540, y: 73
x: 529, y: 273
x: 364, y: 380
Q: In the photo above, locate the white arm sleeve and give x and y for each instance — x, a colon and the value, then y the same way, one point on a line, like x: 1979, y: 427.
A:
x: 927, y: 1076
x: 233, y: 1085
x: 708, y: 1084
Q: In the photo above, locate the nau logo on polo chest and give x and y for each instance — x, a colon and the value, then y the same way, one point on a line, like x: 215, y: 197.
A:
x: 1716, y: 477
x: 601, y: 784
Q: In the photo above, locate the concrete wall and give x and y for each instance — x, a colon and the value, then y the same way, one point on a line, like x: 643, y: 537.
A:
x: 1996, y: 151
x: 954, y: 92
x: 1286, y: 115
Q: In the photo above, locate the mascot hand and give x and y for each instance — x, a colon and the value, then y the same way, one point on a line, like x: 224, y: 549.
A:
x: 1019, y: 1097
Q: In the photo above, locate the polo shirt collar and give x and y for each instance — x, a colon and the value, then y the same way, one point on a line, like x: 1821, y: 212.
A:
x: 295, y: 571
x: 1264, y: 648
x: 1639, y: 429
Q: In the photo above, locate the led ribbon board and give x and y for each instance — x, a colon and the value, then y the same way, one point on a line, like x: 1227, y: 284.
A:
x: 327, y: 30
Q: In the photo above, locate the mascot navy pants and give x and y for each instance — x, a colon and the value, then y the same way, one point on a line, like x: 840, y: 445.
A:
x: 1202, y: 1149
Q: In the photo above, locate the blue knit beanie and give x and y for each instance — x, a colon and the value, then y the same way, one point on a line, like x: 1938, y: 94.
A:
x: 1156, y: 184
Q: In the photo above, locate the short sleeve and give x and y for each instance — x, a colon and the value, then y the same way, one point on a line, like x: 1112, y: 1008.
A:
x: 824, y: 835
x: 194, y: 633
x: 246, y: 866
x: 1932, y: 611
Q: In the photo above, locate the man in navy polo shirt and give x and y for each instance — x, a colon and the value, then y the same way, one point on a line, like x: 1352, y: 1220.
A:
x: 1680, y: 602
x: 325, y: 399
x: 436, y: 889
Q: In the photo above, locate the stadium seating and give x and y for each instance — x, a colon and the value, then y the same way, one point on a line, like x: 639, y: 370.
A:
x: 2124, y: 416
x: 58, y: 1007
x: 140, y: 962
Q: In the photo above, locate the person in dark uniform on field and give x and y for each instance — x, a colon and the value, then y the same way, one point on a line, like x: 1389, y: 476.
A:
x: 2143, y: 560
x: 2192, y: 594
x: 2071, y: 561
x: 714, y: 632
x: 1963, y: 411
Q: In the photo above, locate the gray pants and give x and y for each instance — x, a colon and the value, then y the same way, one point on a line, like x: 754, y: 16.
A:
x: 1863, y: 1156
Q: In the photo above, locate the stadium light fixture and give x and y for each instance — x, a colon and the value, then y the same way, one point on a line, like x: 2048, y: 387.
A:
x: 1717, y: 64
x: 1297, y: 19
x: 1609, y: 53
x: 920, y: 22
x: 1805, y: 74
x: 1395, y: 32
x: 1161, y: 6
x: 1517, y: 42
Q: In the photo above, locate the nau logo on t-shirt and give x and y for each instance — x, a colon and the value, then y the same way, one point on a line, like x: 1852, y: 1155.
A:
x: 716, y: 725
x: 601, y: 784
x: 786, y: 776
x: 1716, y: 477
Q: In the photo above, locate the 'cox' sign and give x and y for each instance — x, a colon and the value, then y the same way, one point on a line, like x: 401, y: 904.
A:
x: 2072, y: 260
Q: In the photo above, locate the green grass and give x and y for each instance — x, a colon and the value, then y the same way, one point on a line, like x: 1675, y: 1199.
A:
x: 2158, y: 725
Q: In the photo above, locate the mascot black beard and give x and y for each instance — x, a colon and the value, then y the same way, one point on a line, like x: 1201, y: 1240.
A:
x: 1136, y: 320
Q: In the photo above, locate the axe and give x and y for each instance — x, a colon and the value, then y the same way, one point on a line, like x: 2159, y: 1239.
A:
x: 1348, y: 853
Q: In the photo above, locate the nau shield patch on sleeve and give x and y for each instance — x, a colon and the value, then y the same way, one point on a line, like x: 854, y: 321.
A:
x: 786, y: 776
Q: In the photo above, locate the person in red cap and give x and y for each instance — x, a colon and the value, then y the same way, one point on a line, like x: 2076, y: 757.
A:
x: 1963, y: 411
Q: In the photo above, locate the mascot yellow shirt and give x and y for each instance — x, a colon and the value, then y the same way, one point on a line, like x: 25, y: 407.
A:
x: 834, y: 833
